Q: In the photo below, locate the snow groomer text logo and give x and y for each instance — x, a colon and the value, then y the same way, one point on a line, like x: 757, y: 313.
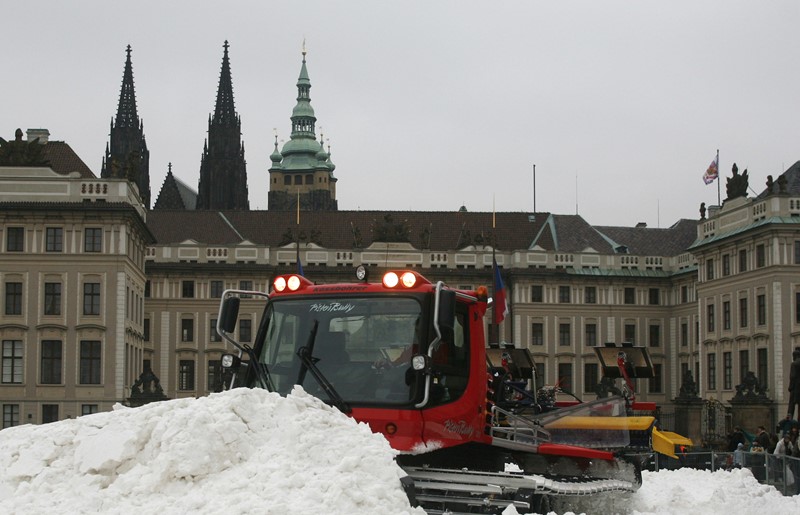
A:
x: 460, y: 427
x: 331, y: 307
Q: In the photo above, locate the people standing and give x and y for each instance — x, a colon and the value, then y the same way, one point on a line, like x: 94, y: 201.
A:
x: 784, y: 446
x: 738, y: 456
x: 736, y: 438
x: 762, y: 439
x: 794, y: 385
x: 785, y: 449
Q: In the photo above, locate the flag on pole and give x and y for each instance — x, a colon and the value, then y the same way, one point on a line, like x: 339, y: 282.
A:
x: 500, y: 308
x: 713, y: 172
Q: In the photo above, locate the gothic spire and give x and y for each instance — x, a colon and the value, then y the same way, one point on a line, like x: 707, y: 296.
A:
x: 224, y: 112
x: 126, y: 154
x: 126, y: 112
x: 223, y: 171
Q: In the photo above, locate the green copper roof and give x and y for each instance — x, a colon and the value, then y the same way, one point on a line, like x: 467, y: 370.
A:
x: 773, y: 220
x: 303, y: 79
x: 303, y: 109
x: 302, y: 152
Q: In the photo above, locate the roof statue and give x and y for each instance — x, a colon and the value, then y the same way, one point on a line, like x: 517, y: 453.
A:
x: 737, y: 184
x: 21, y: 153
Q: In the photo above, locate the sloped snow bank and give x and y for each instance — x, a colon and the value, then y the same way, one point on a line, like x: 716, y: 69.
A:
x: 242, y: 451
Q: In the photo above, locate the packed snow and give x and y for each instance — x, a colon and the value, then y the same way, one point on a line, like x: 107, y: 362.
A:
x: 250, y: 451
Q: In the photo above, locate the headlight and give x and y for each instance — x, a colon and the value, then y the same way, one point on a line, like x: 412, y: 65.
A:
x: 227, y: 360
x: 419, y: 362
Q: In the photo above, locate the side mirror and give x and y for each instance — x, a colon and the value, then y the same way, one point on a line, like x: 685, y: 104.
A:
x: 229, y: 313
x: 447, y: 309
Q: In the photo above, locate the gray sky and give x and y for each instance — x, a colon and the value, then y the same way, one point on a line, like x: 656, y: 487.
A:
x: 428, y: 105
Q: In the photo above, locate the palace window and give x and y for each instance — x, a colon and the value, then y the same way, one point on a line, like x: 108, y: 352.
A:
x: 186, y: 374
x: 564, y: 334
x: 630, y: 295
x: 54, y: 239
x: 51, y: 362
x: 13, y: 298
x: 591, y: 335
x: 93, y: 239
x: 537, y: 333
x: 91, y: 298
x: 12, y: 362
x: 90, y: 370
x: 52, y: 298
x: 15, y: 239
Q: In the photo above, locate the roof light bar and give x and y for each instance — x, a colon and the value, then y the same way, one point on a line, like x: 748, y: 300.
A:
x: 290, y: 283
x: 404, y: 279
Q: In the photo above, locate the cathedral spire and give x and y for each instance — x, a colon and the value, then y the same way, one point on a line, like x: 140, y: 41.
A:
x: 126, y: 112
x: 223, y: 173
x: 224, y: 112
x: 126, y: 155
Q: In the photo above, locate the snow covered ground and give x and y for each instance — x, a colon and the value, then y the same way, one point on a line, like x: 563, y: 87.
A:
x: 249, y: 451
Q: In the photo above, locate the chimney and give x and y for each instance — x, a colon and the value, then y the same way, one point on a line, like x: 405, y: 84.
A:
x: 42, y: 134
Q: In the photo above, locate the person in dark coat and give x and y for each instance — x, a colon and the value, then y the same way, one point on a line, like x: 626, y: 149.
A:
x: 762, y: 440
x: 794, y: 384
x: 736, y: 438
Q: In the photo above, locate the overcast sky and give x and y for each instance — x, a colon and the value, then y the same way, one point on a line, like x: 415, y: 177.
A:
x: 430, y: 105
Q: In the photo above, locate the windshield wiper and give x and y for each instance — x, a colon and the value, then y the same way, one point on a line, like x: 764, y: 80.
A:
x: 312, y: 338
x: 262, y: 372
x: 309, y: 362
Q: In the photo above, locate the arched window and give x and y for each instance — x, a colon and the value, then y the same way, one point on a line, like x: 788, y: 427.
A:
x: 298, y: 179
x: 309, y: 179
x: 287, y: 180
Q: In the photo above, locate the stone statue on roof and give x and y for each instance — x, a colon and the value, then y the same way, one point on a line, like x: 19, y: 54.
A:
x: 737, y: 184
x: 22, y: 153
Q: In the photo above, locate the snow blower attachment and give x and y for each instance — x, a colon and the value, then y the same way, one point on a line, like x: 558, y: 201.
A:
x: 474, y: 429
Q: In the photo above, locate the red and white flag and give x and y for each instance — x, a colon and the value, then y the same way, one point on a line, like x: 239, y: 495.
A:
x: 713, y: 171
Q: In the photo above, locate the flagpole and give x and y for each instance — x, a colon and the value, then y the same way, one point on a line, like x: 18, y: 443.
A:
x: 297, y: 229
x: 494, y: 282
x: 719, y: 202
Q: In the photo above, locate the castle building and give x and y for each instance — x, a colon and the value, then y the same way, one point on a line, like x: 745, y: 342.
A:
x: 72, y: 252
x: 748, y: 289
x: 302, y: 170
x: 126, y: 156
x: 223, y: 170
x: 96, y: 289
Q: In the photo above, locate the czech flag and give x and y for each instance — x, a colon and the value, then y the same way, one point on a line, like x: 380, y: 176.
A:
x: 500, y: 308
x: 712, y: 173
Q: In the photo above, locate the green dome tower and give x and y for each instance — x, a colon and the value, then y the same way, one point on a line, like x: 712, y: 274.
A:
x: 302, y: 169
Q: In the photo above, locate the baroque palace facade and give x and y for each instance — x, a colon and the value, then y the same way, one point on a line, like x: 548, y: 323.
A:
x: 97, y: 288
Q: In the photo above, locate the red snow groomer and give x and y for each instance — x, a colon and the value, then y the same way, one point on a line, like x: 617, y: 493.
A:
x: 408, y: 357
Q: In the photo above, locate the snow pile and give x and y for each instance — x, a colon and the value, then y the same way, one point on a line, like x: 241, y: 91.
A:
x: 701, y: 491
x: 689, y: 492
x: 249, y: 451
x: 243, y: 451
